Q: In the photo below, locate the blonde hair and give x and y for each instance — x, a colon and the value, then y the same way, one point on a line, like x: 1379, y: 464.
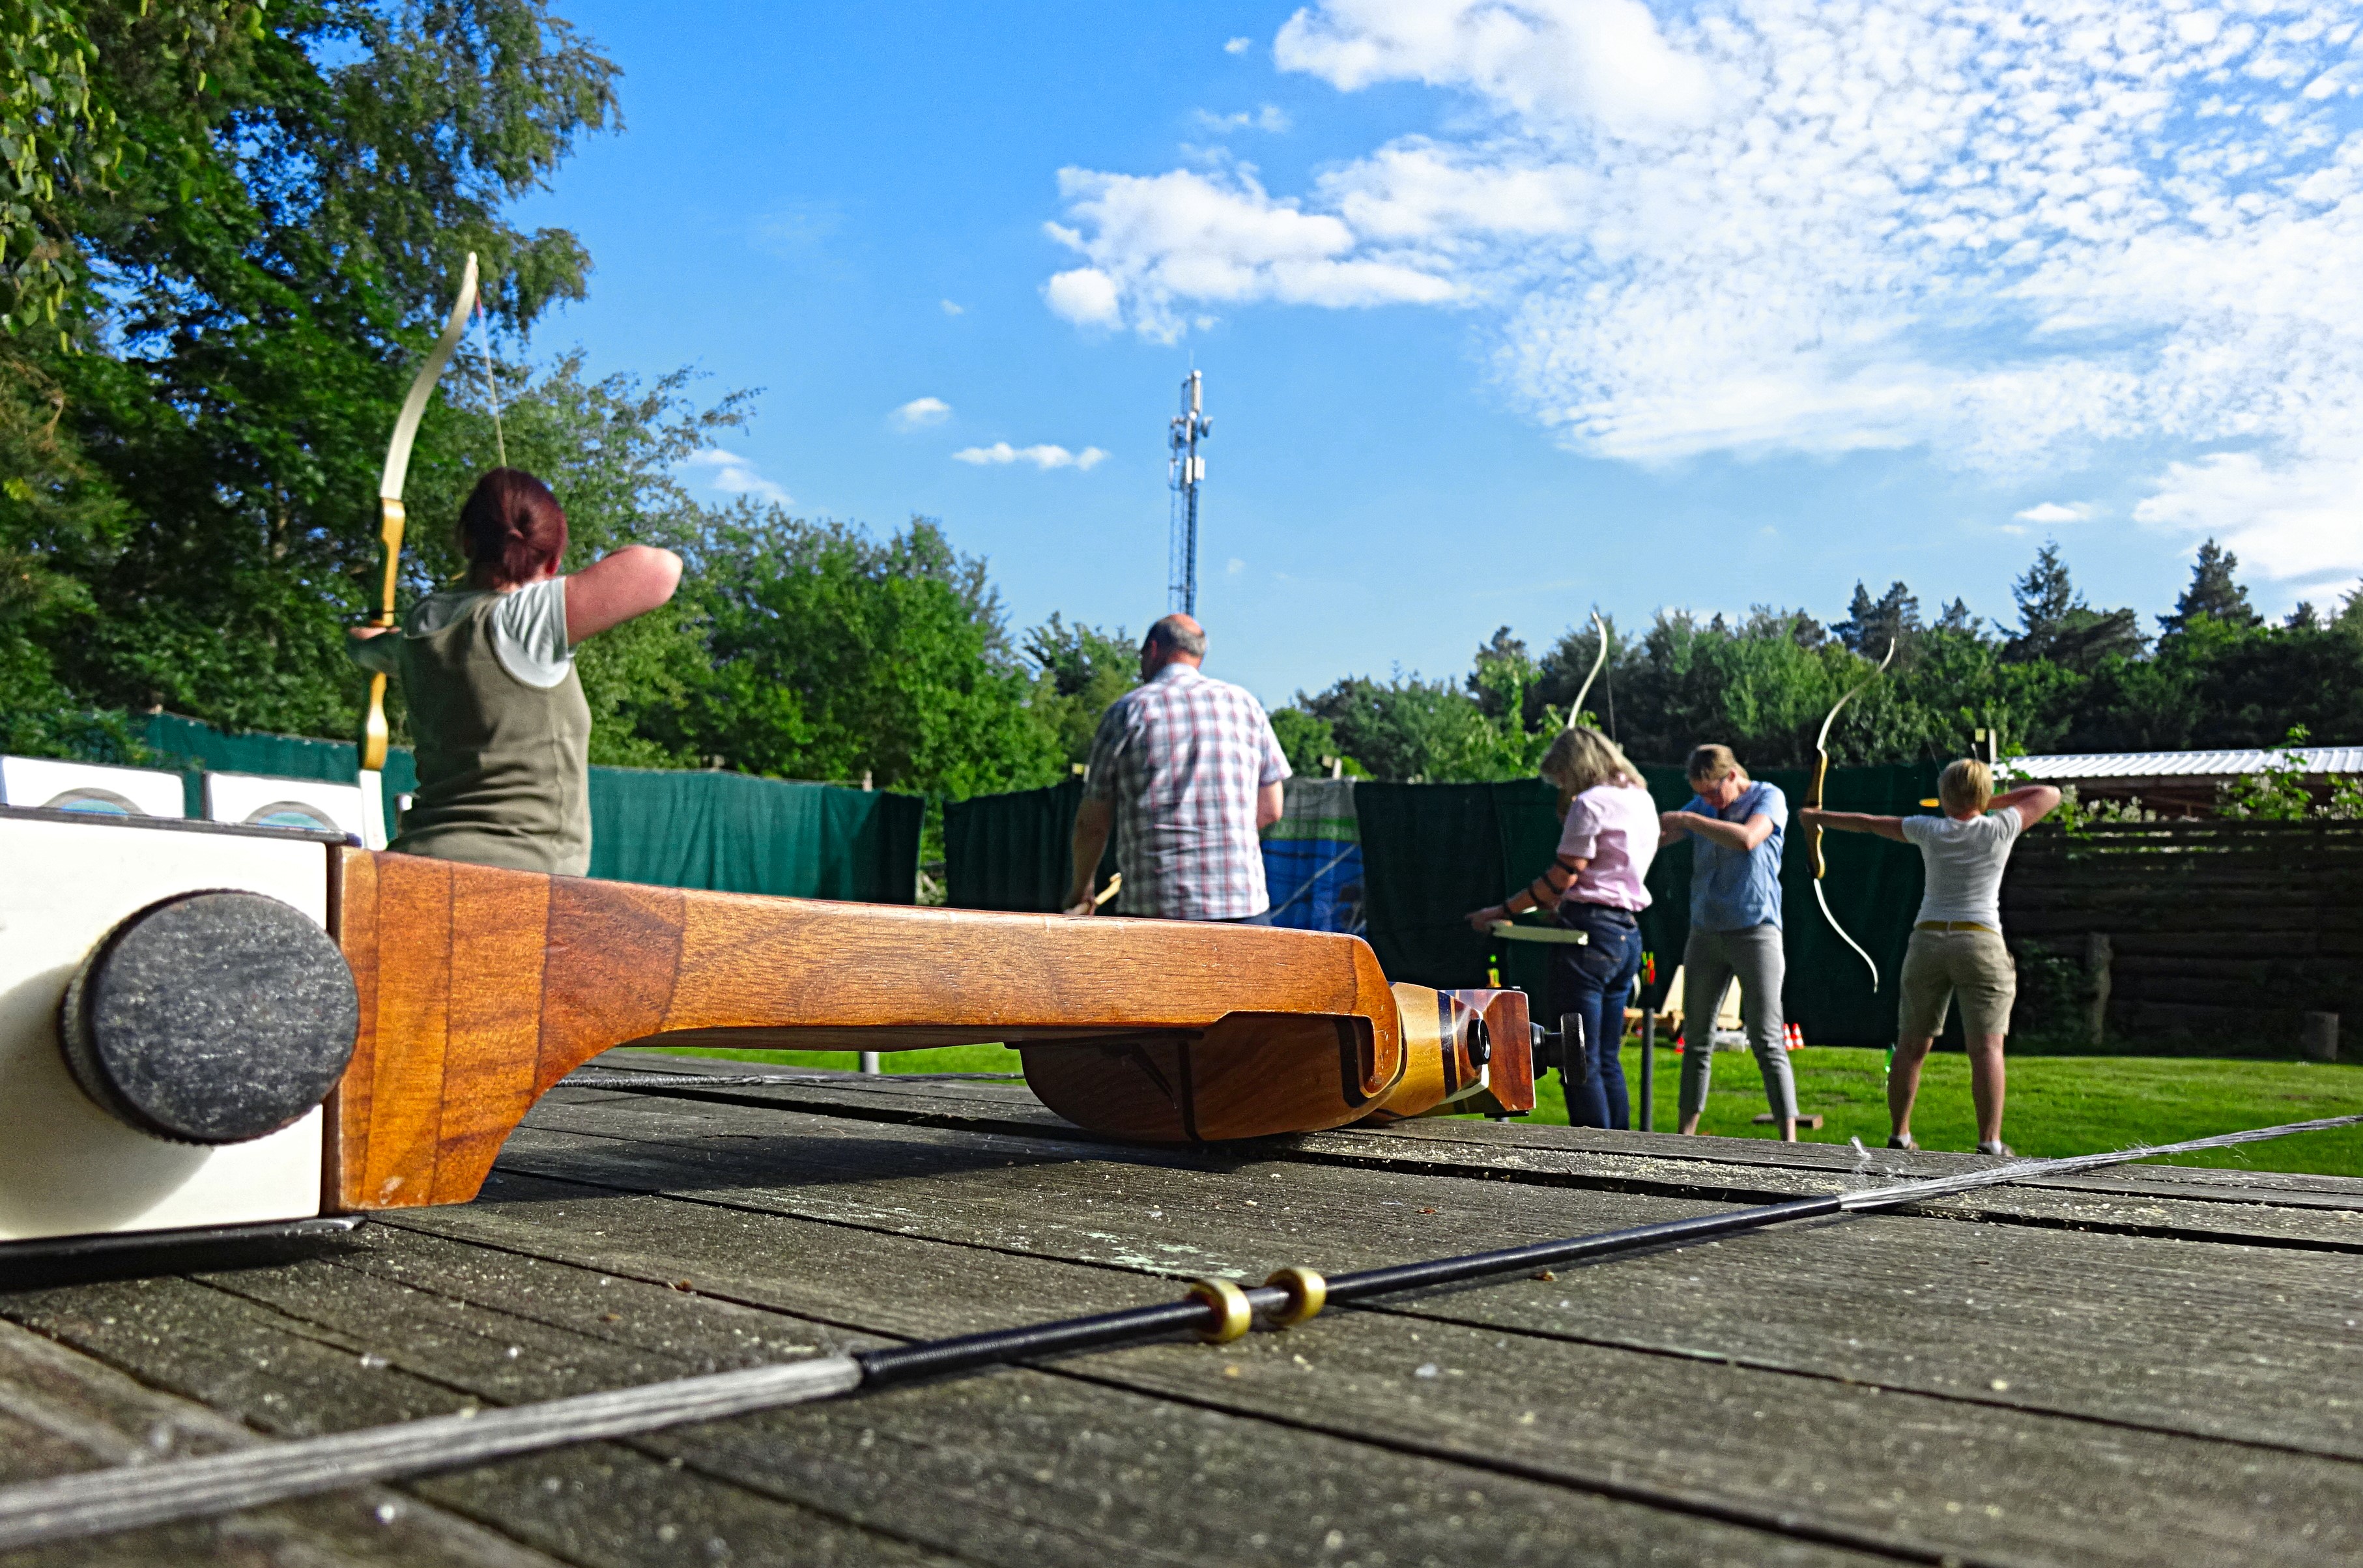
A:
x: 1966, y: 785
x: 1581, y: 758
x: 1710, y: 763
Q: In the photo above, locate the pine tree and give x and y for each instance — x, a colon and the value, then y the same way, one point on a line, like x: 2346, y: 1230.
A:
x: 1861, y: 612
x: 2213, y: 592
x: 2044, y: 595
x: 2055, y: 622
x: 1872, y: 625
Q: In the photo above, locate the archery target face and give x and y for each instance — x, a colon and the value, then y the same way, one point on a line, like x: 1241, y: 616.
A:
x: 92, y: 788
x: 260, y: 801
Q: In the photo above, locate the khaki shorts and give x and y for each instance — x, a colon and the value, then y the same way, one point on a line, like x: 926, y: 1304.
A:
x: 1972, y: 965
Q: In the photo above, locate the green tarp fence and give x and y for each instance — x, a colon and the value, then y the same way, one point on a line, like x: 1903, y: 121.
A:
x: 1015, y: 851
x: 671, y: 829
x: 1432, y: 852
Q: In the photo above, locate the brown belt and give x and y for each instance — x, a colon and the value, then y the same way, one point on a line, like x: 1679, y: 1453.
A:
x: 1951, y: 925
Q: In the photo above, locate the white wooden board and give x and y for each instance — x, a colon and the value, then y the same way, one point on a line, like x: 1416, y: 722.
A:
x: 260, y: 800
x: 68, y: 1168
x: 90, y: 787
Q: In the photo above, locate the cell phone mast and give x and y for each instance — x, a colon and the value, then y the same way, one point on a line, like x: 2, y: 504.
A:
x: 1187, y: 471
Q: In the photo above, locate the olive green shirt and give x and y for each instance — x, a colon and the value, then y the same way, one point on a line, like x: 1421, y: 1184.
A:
x: 504, y: 764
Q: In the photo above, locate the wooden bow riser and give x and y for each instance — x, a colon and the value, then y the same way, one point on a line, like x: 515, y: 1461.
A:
x: 481, y: 989
x: 1813, y: 835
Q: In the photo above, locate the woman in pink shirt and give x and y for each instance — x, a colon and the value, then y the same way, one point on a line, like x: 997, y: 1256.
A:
x: 1593, y: 886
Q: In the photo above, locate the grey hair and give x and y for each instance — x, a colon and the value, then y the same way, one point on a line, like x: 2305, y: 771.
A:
x: 1172, y: 632
x: 1582, y: 758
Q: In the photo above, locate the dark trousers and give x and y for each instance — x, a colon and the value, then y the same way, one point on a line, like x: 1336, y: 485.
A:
x: 1592, y: 981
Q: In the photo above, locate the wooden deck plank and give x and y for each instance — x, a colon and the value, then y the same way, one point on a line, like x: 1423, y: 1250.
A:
x: 990, y: 1106
x: 1986, y: 1385
x: 63, y: 1412
x: 1904, y: 1473
x: 597, y: 1504
x: 1026, y: 1469
x: 2316, y: 1221
x: 1862, y: 1299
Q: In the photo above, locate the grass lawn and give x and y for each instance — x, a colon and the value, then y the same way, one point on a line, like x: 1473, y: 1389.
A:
x: 2057, y: 1105
x: 944, y: 1059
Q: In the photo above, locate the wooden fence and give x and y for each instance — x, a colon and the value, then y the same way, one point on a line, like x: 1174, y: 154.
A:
x: 2197, y: 929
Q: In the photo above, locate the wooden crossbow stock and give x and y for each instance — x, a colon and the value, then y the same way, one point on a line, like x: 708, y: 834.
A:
x: 481, y: 989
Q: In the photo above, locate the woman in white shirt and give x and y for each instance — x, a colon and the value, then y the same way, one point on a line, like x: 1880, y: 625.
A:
x: 1956, y: 947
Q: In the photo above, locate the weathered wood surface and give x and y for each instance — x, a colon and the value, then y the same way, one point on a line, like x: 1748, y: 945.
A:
x: 2160, y: 1367
x: 1746, y: 1170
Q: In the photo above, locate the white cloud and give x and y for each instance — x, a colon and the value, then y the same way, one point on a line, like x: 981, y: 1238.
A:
x: 734, y: 475
x: 1045, y: 456
x: 1157, y: 242
x: 1086, y: 296
x: 2008, y: 236
x: 1270, y: 117
x: 920, y: 413
x: 952, y: 307
x: 2051, y: 512
x: 1572, y: 62
x: 1239, y: 46
x: 1234, y: 567
x: 2298, y: 520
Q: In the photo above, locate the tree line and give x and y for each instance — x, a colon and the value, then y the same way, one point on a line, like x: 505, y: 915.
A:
x: 2061, y: 676
x: 227, y: 232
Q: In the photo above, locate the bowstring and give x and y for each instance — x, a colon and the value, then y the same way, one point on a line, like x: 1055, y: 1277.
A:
x: 500, y: 441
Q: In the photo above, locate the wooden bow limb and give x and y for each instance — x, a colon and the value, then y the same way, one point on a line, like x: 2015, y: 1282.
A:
x: 1813, y: 835
x: 374, y: 735
x: 1575, y: 709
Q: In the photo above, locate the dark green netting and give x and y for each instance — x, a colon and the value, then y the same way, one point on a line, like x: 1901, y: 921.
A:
x: 194, y: 747
x: 1014, y: 851
x: 724, y: 831
x: 743, y: 835
x: 1430, y: 853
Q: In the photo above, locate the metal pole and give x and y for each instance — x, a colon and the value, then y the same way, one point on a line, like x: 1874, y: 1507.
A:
x: 1188, y: 468
x: 1190, y: 571
x: 1648, y: 1065
x: 870, y: 1061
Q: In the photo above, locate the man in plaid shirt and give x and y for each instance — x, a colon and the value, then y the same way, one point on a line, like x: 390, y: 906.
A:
x: 1187, y: 771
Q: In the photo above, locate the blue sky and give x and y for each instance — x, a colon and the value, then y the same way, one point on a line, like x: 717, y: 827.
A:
x: 1505, y: 310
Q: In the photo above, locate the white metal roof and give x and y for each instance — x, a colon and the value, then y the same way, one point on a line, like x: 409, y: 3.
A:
x: 2116, y: 766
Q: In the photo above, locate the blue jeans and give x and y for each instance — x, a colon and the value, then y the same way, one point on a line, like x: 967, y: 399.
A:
x: 1593, y: 982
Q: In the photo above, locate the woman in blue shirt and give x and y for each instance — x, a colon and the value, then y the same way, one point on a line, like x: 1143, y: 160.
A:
x: 1739, y: 827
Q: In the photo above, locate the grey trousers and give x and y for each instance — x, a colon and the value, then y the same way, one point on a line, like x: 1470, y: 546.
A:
x: 1710, y: 962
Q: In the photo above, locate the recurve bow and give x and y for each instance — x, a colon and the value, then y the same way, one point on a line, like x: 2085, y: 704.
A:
x: 391, y: 518
x: 1813, y: 802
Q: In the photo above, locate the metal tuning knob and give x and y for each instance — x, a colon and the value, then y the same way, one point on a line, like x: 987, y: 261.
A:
x: 211, y: 1018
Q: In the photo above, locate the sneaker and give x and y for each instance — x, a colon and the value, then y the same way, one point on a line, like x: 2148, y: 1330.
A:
x: 1904, y: 1140
x: 1999, y: 1150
